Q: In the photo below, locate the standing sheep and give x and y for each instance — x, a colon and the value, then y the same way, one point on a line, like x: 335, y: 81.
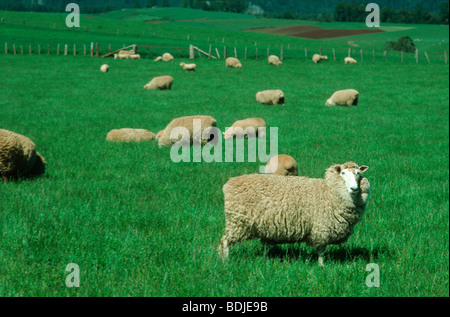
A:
x: 188, y: 67
x: 18, y: 156
x: 233, y: 62
x: 318, y: 58
x: 270, y: 97
x: 279, y: 209
x: 282, y: 165
x: 160, y: 83
x: 350, y: 60
x: 246, y: 128
x: 130, y: 135
x: 274, y: 60
x: 206, y: 122
x: 104, y: 68
x: 346, y: 97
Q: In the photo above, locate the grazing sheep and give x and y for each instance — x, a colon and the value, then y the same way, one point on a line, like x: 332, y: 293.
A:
x: 233, y: 62
x: 158, y: 59
x: 167, y: 57
x: 318, y: 58
x: 130, y: 135
x: 122, y: 56
x: 246, y: 128
x: 270, y: 97
x: 350, y: 60
x: 135, y: 56
x: 18, y: 156
x: 274, y: 60
x: 346, y: 97
x: 187, y: 67
x: 104, y: 68
x: 282, y: 165
x: 160, y: 83
x: 288, y: 209
x: 207, y: 122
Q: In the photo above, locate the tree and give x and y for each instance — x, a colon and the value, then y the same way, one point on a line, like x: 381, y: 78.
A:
x: 443, y: 13
x: 151, y: 3
x: 165, y: 3
x: 405, y: 44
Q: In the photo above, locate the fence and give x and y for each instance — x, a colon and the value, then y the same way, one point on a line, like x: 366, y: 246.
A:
x: 95, y: 49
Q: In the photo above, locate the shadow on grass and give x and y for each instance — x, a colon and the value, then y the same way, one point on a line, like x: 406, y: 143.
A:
x: 339, y: 254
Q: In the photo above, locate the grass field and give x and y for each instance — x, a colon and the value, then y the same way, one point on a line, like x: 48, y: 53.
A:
x: 138, y: 224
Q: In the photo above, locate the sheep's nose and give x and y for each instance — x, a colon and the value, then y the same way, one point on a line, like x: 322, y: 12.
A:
x: 354, y: 189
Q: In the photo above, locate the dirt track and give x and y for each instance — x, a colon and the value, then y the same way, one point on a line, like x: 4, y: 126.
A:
x: 314, y: 32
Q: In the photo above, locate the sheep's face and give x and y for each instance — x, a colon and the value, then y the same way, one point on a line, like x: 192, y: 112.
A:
x: 351, y: 174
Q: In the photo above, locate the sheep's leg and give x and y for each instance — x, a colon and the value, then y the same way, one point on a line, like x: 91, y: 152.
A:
x: 223, y: 247
x: 321, y: 253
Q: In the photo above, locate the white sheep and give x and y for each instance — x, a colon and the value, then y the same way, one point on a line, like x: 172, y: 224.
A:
x: 346, y: 97
x: 233, y: 62
x: 130, y: 135
x: 250, y: 127
x: 270, y: 97
x: 135, y: 56
x: 104, y: 68
x: 167, y: 57
x: 18, y: 156
x: 206, y: 124
x: 282, y: 165
x: 350, y: 60
x: 160, y: 83
x: 288, y: 209
x: 318, y: 58
x: 188, y: 67
x: 274, y: 60
x: 122, y: 56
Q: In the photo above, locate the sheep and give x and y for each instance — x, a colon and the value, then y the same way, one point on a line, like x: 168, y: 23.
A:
x: 135, y: 56
x: 130, y: 135
x: 158, y: 59
x: 122, y: 56
x: 250, y: 127
x: 270, y: 97
x: 187, y: 67
x: 104, y: 68
x: 274, y: 60
x: 18, y: 156
x: 167, y: 57
x: 350, y: 60
x: 160, y: 83
x: 124, y: 52
x: 207, y: 123
x: 288, y: 209
x: 346, y: 97
x: 282, y: 165
x: 318, y: 58
x: 233, y: 62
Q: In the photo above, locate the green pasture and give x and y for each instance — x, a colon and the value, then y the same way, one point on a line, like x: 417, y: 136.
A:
x: 138, y: 224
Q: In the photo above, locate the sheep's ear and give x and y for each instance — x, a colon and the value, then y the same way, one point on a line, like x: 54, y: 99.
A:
x: 337, y: 168
x: 363, y: 168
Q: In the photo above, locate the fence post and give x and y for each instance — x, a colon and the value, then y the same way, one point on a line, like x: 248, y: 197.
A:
x: 191, y: 52
x: 97, y: 52
x: 281, y: 53
x: 39, y: 49
x: 84, y: 49
x: 334, y: 55
x: 306, y: 54
x: 445, y: 57
x: 386, y: 54
x: 417, y: 56
x: 65, y: 49
x: 31, y: 51
x: 14, y: 49
x: 361, y: 52
x: 426, y: 55
x: 217, y: 52
x: 225, y: 52
x: 245, y: 56
x: 349, y: 51
x: 268, y: 51
x: 21, y: 49
x: 235, y: 52
x: 48, y: 49
x: 74, y: 49
x: 92, y: 49
x: 401, y: 54
x: 210, y: 48
x: 256, y: 53
x: 6, y: 48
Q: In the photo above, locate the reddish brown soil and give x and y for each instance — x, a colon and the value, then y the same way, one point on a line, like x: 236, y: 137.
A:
x: 314, y: 32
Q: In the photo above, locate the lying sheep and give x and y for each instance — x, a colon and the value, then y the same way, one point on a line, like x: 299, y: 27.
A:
x: 346, y: 97
x: 274, y: 60
x: 160, y: 83
x: 122, y: 56
x: 206, y: 124
x: 247, y: 128
x: 18, y: 156
x: 270, y: 97
x: 318, y: 58
x: 124, y: 52
x: 350, y: 60
x: 130, y: 135
x: 287, y: 209
x: 188, y: 67
x: 167, y: 57
x: 233, y: 62
x: 282, y: 165
x: 104, y: 68
x: 135, y: 56
x: 158, y: 59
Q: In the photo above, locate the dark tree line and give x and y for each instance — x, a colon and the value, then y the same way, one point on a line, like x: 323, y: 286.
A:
x: 352, y: 12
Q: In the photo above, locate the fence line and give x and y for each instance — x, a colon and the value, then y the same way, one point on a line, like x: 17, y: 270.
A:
x: 247, y: 52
